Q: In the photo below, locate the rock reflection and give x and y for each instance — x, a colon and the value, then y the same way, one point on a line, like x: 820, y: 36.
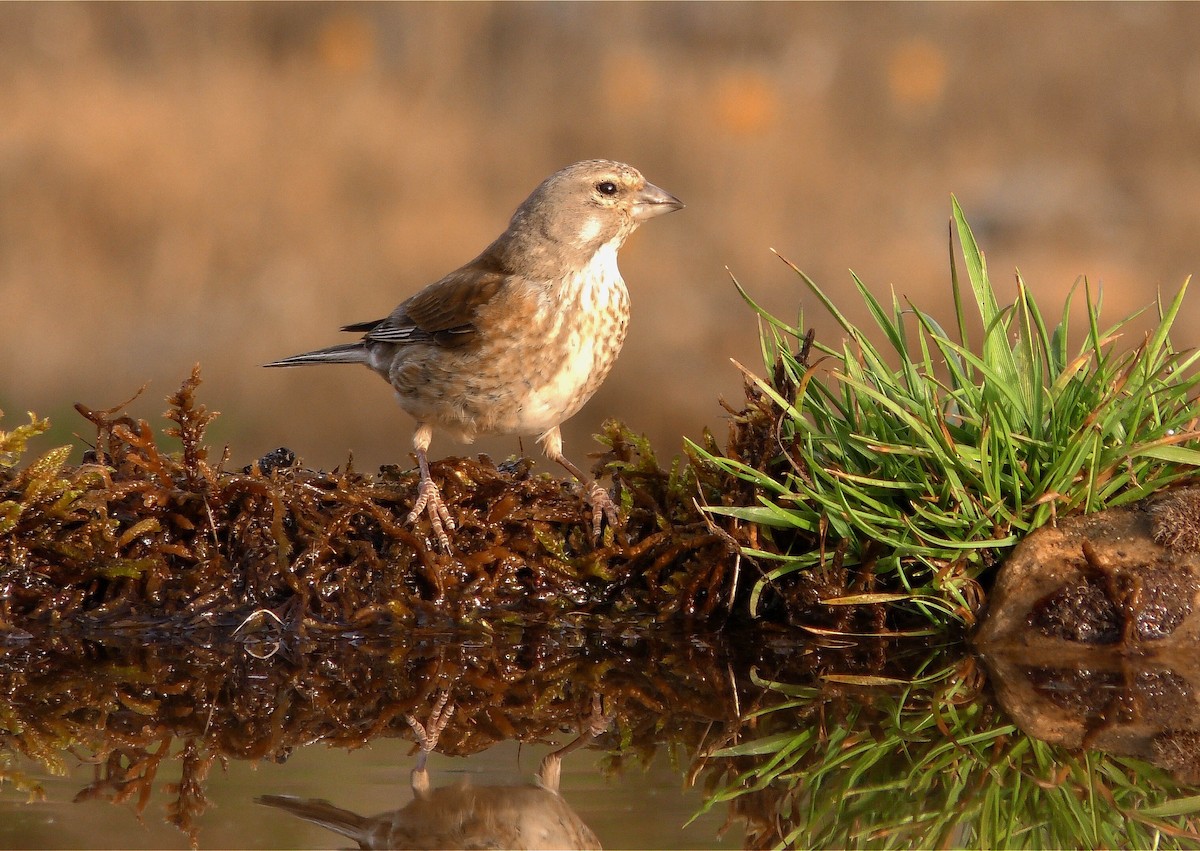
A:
x: 1140, y: 707
x: 1091, y: 632
x: 463, y: 815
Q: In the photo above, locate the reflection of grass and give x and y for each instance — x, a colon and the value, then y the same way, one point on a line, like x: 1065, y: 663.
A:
x: 925, y: 473
x: 930, y: 765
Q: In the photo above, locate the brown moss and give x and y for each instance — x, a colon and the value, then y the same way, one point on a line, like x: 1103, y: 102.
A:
x: 136, y: 537
x: 1176, y: 519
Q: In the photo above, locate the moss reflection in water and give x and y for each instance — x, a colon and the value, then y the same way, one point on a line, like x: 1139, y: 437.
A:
x: 821, y: 742
x: 130, y: 708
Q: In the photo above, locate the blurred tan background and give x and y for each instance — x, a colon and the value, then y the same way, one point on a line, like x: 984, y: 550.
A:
x: 228, y: 184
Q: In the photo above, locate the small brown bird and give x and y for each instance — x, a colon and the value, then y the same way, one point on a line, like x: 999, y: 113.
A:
x: 517, y: 340
x: 463, y: 815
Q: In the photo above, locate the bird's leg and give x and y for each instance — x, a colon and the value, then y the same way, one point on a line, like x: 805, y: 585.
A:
x: 550, y: 771
x: 427, y: 737
x: 429, y: 498
x: 603, y: 506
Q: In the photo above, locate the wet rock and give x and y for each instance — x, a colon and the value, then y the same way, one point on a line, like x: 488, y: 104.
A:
x: 276, y: 459
x: 1091, y: 632
x: 1126, y: 578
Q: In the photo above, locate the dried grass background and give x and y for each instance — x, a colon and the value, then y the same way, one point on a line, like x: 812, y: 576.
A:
x: 230, y: 183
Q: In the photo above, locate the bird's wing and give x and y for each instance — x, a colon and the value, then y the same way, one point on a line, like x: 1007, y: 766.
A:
x: 443, y: 313
x: 363, y: 327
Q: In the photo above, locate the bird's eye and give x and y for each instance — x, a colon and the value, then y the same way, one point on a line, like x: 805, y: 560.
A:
x: 606, y: 188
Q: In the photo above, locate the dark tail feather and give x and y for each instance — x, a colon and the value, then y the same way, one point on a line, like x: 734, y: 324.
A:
x: 318, y: 811
x: 345, y: 353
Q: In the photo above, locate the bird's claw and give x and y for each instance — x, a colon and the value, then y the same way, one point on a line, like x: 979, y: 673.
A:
x: 598, y: 721
x: 427, y: 737
x: 428, y: 733
x: 429, y: 500
x: 603, y: 508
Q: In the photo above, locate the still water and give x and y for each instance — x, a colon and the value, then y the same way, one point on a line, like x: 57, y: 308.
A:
x: 639, y: 809
x: 762, y: 738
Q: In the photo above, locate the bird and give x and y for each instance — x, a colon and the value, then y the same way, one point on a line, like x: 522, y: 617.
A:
x: 464, y: 815
x: 458, y: 816
x: 517, y: 340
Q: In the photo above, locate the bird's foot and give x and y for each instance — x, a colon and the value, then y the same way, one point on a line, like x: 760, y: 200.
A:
x: 429, y: 500
x: 596, y: 723
x: 427, y: 737
x: 603, y: 508
x: 439, y: 717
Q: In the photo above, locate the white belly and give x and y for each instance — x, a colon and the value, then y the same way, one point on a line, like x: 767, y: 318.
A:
x: 584, y: 352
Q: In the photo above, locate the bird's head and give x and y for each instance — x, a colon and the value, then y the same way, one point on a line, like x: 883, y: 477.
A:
x: 590, y: 204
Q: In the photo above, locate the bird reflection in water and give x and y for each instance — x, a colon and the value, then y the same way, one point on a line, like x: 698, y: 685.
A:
x: 463, y: 816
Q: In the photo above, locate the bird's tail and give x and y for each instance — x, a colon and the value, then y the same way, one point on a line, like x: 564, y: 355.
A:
x: 318, y: 811
x: 344, y: 353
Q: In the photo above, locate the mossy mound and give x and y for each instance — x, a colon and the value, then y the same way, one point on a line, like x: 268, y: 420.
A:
x: 140, y: 538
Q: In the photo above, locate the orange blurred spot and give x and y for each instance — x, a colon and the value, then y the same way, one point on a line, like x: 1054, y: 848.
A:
x: 746, y: 102
x: 917, y: 73
x: 346, y: 43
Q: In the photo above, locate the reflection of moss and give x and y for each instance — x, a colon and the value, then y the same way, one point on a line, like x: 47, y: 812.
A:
x: 127, y: 706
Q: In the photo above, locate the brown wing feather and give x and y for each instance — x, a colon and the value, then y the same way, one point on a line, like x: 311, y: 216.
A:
x: 453, y: 301
x: 442, y: 313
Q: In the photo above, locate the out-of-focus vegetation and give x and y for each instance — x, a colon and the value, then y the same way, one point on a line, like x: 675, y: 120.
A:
x: 231, y: 183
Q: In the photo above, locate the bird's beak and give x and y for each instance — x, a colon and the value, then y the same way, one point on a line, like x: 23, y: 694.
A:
x: 652, y: 201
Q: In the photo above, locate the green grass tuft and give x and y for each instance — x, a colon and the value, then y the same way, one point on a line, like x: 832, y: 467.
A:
x: 926, y: 472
